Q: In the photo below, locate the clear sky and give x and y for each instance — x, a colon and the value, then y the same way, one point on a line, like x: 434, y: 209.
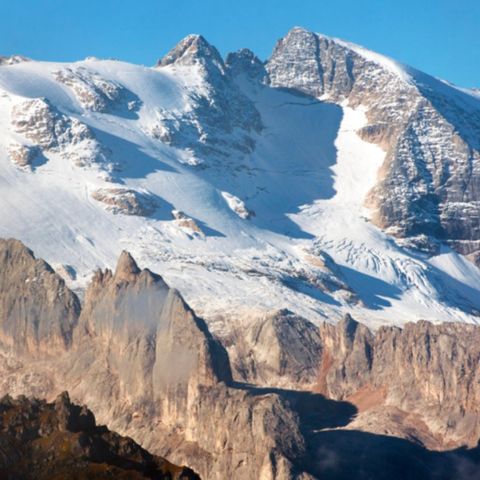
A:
x: 441, y: 37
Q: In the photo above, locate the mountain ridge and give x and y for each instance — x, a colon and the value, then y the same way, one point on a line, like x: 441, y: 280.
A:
x: 236, y: 177
x: 385, y: 404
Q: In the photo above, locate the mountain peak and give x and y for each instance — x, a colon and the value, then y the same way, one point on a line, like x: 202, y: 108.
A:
x: 127, y: 269
x: 244, y: 61
x: 298, y: 29
x: 193, y: 49
x: 300, y: 41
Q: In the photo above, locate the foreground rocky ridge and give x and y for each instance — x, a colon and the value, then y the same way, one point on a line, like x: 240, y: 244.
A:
x: 40, y: 440
x: 301, y: 402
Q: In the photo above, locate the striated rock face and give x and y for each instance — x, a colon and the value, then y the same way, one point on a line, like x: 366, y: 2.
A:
x: 423, y: 369
x: 147, y: 334
x: 419, y: 383
x: 424, y: 376
x: 429, y: 182
x: 40, y: 440
x: 38, y: 313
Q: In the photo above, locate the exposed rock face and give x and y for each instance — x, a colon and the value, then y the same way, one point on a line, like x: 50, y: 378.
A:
x: 38, y: 313
x: 41, y: 123
x: 282, y: 350
x: 50, y: 130
x: 227, y: 117
x: 429, y: 182
x: 126, y: 201
x: 418, y: 383
x: 424, y: 369
x: 147, y: 334
x: 149, y: 367
x: 40, y: 440
x: 194, y: 49
x: 22, y: 155
x: 245, y: 62
x: 95, y: 93
x: 170, y: 376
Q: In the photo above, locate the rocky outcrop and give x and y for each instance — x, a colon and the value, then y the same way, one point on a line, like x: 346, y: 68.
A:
x: 49, y: 130
x: 22, y: 155
x: 282, y: 350
x: 183, y: 221
x: 126, y: 201
x: 96, y: 93
x: 237, y: 206
x: 430, y: 179
x: 12, y: 59
x: 38, y: 313
x: 40, y: 440
x: 39, y: 121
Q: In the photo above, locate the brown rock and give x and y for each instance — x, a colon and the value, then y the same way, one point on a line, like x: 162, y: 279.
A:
x: 38, y: 313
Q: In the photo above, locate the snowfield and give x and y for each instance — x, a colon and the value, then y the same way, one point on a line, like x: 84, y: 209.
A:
x: 279, y: 225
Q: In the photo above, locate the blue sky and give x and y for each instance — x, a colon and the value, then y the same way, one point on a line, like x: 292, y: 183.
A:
x: 440, y: 37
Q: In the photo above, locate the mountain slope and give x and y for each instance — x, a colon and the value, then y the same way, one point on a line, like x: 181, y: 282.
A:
x: 429, y: 129
x: 245, y: 184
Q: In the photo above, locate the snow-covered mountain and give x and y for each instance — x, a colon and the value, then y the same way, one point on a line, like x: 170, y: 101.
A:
x: 327, y: 180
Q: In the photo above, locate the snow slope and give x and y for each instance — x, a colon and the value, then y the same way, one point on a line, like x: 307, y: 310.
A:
x: 306, y: 245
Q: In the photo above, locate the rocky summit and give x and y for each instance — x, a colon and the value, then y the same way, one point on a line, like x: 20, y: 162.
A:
x: 260, y: 269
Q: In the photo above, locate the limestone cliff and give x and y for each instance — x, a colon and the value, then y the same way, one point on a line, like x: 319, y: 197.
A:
x: 149, y: 367
x: 38, y: 313
x: 429, y: 182
x: 305, y: 402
